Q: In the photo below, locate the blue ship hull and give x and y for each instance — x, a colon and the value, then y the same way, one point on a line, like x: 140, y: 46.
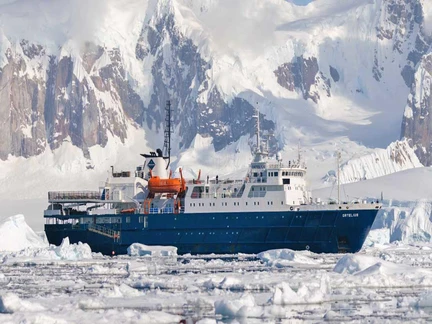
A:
x: 329, y: 231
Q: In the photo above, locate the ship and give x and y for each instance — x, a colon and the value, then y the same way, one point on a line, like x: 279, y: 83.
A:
x: 269, y: 208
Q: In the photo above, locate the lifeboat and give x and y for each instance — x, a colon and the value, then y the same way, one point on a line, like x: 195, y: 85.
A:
x: 170, y: 185
x: 158, y: 185
x: 128, y: 211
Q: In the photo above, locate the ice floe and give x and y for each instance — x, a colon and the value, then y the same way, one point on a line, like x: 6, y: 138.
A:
x: 138, y: 249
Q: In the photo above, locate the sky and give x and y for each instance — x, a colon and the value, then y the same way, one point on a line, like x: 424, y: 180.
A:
x: 301, y: 2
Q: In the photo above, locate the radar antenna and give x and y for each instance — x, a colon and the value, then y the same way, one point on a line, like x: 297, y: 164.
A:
x: 167, y: 133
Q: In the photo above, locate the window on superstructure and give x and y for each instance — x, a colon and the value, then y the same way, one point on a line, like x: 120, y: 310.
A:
x: 128, y: 219
x: 255, y: 174
x: 197, y: 192
x: 145, y: 221
x: 276, y: 174
x: 141, y: 219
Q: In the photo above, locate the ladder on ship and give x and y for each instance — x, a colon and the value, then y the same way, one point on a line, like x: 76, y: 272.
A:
x: 147, y: 205
x: 102, y: 230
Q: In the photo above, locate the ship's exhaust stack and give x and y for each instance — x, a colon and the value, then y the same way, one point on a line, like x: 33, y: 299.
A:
x: 155, y: 164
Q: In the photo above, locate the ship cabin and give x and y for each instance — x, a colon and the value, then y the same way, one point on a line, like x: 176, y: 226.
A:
x: 267, y: 185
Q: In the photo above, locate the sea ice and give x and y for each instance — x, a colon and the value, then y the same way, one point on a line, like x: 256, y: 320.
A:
x: 138, y: 249
x: 286, y: 257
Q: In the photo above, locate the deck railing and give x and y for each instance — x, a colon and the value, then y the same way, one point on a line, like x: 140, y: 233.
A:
x: 73, y: 195
x: 103, y: 230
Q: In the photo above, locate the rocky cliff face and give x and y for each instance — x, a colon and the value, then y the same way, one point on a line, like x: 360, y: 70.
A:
x: 417, y: 122
x: 416, y: 125
x: 85, y: 96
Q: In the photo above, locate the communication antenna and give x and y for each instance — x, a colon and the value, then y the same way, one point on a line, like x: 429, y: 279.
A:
x: 167, y: 133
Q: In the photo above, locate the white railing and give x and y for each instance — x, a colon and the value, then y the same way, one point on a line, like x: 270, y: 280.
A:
x: 73, y: 195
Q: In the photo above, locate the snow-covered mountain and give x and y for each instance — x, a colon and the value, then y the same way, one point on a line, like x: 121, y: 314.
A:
x: 398, y: 156
x: 90, y: 73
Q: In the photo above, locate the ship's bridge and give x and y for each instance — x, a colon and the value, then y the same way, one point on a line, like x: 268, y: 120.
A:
x: 290, y: 173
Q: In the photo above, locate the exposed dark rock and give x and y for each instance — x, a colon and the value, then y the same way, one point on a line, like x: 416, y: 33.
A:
x: 301, y: 74
x: 334, y: 74
x: 417, y: 121
x: 22, y: 131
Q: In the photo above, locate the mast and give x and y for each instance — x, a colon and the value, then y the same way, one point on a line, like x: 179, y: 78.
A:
x: 167, y: 133
x: 299, y: 154
x: 338, y: 176
x: 258, y: 149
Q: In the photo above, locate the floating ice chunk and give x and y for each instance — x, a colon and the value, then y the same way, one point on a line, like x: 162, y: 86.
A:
x: 138, y: 249
x: 285, y: 257
x: 67, y: 251
x: 159, y: 317
x: 352, y: 263
x: 16, y: 235
x: 91, y: 303
x: 10, y: 303
x: 284, y: 295
x: 362, y: 265
x: 121, y: 291
x: 230, y: 282
x: 235, y: 308
x: 207, y: 321
x: 314, y: 292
